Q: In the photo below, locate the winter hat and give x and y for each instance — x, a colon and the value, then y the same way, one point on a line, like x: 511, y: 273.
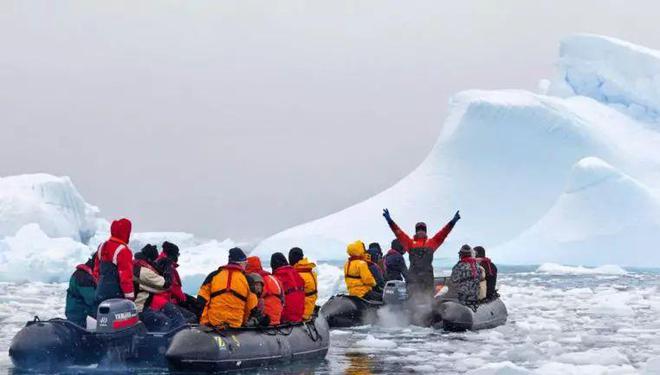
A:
x: 171, y: 250
x: 375, y: 246
x: 295, y: 255
x: 396, y: 245
x: 420, y: 226
x: 278, y: 260
x: 253, y: 265
x: 480, y: 251
x: 466, y: 250
x: 375, y: 252
x: 150, y: 252
x: 236, y: 255
x: 254, y: 278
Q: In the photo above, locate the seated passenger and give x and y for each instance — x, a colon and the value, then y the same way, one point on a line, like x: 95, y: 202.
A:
x: 273, y: 294
x: 482, y: 283
x: 395, y: 264
x: 372, y: 257
x: 376, y: 254
x: 225, y: 293
x: 254, y: 314
x: 294, y: 288
x: 465, y: 277
x: 149, y: 282
x: 357, y: 276
x: 491, y: 272
x: 307, y: 271
x: 167, y: 261
x: 113, y: 268
x: 81, y: 295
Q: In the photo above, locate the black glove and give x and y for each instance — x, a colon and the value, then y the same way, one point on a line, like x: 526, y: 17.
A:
x: 457, y: 217
x: 386, y: 215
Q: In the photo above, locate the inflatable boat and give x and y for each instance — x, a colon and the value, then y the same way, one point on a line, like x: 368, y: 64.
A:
x: 347, y: 311
x: 458, y: 317
x: 120, y: 340
x: 205, y: 349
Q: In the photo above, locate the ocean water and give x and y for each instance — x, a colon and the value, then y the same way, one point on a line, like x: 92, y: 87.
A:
x: 562, y: 321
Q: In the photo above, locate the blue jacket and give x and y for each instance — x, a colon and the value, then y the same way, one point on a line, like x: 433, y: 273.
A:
x: 395, y: 266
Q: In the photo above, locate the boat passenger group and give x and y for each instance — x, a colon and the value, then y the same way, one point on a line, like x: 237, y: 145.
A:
x: 242, y: 294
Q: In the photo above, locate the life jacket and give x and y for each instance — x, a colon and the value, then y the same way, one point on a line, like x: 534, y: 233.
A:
x: 357, y: 276
x: 226, y: 293
x: 88, y: 270
x: 115, y: 277
x: 306, y: 271
x: 174, y: 294
x: 148, y: 282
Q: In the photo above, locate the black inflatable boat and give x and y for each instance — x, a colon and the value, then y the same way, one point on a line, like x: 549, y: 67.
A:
x: 121, y: 340
x: 347, y: 311
x: 458, y: 317
x: 201, y: 348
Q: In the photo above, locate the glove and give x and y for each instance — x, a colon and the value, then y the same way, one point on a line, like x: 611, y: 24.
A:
x: 457, y: 217
x: 386, y: 215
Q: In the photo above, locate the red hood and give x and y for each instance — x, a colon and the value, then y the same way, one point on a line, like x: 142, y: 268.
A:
x: 121, y: 230
x: 253, y: 265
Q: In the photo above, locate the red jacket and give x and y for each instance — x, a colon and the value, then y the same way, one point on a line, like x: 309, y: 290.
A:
x: 421, y: 242
x: 116, y: 250
x: 175, y: 293
x: 294, y: 294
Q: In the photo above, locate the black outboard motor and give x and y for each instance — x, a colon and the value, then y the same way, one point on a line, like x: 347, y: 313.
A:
x: 118, y: 328
x: 395, y: 293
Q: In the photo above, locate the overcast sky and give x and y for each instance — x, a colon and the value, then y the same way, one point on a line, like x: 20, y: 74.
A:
x: 241, y: 118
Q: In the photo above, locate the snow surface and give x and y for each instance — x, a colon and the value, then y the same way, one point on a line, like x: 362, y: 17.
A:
x: 569, y: 178
x: 557, y: 269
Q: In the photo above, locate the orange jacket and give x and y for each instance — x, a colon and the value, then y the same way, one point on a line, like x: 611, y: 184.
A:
x: 227, y: 295
x: 273, y: 294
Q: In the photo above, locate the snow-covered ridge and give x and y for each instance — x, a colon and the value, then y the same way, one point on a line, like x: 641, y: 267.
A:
x: 568, y: 178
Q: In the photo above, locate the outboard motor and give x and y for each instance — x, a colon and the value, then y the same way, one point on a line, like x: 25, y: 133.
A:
x: 395, y: 293
x: 118, y: 328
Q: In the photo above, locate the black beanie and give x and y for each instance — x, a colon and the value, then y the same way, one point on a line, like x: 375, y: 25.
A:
x: 236, y: 255
x: 295, y: 255
x: 420, y: 226
x: 150, y: 252
x: 479, y: 251
x: 375, y: 246
x: 396, y: 245
x: 170, y: 249
x: 278, y: 260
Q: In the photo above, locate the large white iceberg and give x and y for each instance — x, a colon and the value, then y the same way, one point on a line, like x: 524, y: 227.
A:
x: 508, y: 160
x: 51, y: 202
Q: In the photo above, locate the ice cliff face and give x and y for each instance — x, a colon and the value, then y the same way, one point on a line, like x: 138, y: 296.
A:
x: 532, y: 174
x: 51, y: 202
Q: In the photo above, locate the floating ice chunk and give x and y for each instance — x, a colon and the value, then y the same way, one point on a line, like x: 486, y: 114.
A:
x: 52, y: 202
x: 652, y: 366
x: 375, y: 343
x: 499, y: 368
x: 604, y: 357
x: 557, y: 269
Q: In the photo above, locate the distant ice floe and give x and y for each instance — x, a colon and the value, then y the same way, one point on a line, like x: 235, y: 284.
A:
x: 557, y: 269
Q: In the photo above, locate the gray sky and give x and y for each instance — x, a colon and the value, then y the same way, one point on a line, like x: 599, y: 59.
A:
x: 241, y: 118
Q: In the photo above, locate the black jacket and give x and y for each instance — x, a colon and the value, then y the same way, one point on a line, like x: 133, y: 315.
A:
x: 395, y: 266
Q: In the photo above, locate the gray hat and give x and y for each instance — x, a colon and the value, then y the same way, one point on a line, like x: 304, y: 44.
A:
x: 466, y: 250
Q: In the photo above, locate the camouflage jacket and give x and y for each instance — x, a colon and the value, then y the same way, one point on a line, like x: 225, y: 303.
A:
x: 464, y: 283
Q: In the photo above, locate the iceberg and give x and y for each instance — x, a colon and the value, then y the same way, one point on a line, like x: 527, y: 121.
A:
x: 52, y: 202
x: 570, y: 177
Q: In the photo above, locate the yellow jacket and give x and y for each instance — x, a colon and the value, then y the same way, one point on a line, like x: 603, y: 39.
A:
x: 226, y: 293
x: 307, y: 270
x: 358, y: 278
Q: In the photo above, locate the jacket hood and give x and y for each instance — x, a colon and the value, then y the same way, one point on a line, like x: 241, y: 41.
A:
x: 253, y: 264
x: 356, y: 249
x: 121, y: 230
x: 304, y: 263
